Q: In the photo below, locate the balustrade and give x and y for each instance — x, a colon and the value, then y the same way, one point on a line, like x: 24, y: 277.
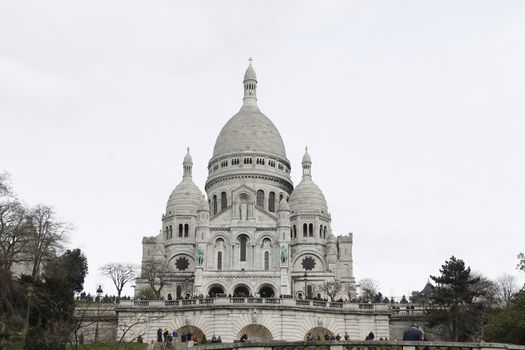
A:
x: 394, y: 310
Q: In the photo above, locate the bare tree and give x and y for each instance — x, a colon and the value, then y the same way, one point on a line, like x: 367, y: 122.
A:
x: 13, y: 226
x: 120, y: 274
x: 47, y: 236
x: 506, y: 288
x: 157, y: 275
x: 368, y: 289
x: 331, y: 288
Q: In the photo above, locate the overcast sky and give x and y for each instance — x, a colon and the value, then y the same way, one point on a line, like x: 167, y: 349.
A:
x: 413, y: 112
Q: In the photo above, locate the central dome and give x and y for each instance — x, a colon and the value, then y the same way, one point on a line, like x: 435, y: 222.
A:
x: 249, y: 131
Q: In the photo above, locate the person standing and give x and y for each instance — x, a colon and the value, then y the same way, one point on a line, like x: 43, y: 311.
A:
x: 413, y: 334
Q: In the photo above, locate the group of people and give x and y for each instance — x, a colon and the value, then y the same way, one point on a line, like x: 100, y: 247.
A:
x: 337, y: 337
x: 167, y: 337
x: 215, y: 339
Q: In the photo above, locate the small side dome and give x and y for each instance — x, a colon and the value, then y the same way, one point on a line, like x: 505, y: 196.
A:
x: 331, y: 237
x: 308, y: 197
x: 185, y: 198
x: 283, y: 205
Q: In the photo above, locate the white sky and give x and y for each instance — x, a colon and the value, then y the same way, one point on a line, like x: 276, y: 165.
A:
x: 413, y: 112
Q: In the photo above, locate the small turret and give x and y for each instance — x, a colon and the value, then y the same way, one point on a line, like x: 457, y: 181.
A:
x: 250, y: 85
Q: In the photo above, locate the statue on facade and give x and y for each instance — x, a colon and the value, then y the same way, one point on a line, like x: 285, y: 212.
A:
x: 244, y: 210
x: 284, y: 254
x: 200, y: 256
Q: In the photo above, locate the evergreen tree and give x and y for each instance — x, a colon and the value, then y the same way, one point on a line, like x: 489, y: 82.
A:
x: 507, y: 325
x: 454, y: 305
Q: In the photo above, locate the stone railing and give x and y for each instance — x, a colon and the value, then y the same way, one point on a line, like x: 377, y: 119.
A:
x: 361, y: 345
x: 263, y: 302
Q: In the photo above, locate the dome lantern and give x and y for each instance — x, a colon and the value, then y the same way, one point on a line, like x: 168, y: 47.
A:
x: 250, y: 85
x: 307, y: 164
x: 187, y: 164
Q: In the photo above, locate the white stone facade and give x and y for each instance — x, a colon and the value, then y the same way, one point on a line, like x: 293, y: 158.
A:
x: 254, y: 233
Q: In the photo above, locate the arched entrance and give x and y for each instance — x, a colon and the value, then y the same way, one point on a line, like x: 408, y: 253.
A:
x: 256, y: 333
x: 190, y: 331
x: 215, y: 289
x: 266, y: 291
x: 241, y: 291
x: 317, y: 333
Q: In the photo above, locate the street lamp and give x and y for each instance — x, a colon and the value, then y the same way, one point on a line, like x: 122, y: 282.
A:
x: 29, y: 294
x: 99, y: 295
x: 99, y: 292
x: 305, y: 288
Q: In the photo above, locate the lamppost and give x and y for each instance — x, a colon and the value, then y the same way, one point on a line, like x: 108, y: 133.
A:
x: 99, y: 295
x: 29, y: 294
x: 305, y: 287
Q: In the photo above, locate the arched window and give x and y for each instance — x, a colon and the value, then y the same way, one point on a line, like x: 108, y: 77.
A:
x: 243, y: 242
x: 321, y: 231
x: 167, y: 232
x: 214, y: 205
x: 291, y: 233
x: 271, y: 202
x: 311, y: 230
x: 309, y: 292
x: 224, y: 201
x: 305, y: 230
x: 171, y: 231
x: 281, y: 197
x: 186, y: 230
x: 260, y: 198
x: 294, y: 231
x: 179, y: 292
x: 266, y: 260
x: 219, y: 261
x: 324, y: 234
x: 180, y: 230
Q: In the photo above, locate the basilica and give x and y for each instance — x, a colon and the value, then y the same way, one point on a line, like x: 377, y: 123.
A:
x: 253, y: 233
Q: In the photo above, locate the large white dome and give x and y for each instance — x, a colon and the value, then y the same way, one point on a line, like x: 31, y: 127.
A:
x: 249, y: 131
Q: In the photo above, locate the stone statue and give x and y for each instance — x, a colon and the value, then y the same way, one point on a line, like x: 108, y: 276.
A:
x: 200, y: 256
x: 284, y: 254
x: 244, y: 210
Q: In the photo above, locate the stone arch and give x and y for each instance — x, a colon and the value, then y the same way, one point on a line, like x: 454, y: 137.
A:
x: 267, y: 284
x: 218, y: 235
x: 256, y: 333
x: 241, y: 290
x: 318, y: 333
x: 193, y: 330
x: 259, y: 240
x: 214, y: 287
x: 266, y: 290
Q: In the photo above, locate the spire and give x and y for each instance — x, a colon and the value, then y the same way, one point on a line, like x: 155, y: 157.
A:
x: 307, y: 164
x: 187, y: 164
x: 250, y: 85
